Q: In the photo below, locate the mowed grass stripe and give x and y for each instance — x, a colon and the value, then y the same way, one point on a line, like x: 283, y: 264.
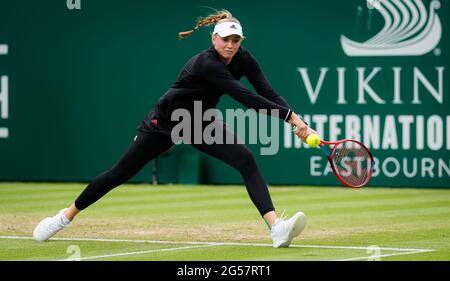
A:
x: 404, y: 217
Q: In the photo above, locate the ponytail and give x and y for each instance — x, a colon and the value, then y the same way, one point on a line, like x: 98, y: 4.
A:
x: 211, y: 19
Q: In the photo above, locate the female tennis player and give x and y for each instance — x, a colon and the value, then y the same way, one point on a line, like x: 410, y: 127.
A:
x: 205, y: 78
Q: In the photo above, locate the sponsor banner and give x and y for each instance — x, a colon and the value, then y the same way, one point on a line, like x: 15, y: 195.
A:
x: 77, y: 78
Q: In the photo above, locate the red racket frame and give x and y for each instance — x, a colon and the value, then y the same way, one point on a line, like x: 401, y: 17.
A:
x: 330, y: 157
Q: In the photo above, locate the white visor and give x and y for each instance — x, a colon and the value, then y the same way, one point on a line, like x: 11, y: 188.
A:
x: 228, y: 28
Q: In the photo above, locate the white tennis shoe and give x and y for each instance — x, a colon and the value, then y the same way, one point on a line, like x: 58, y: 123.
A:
x: 50, y: 226
x: 283, y: 231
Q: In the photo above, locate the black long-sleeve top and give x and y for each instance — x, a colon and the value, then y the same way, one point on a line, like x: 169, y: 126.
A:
x: 205, y: 78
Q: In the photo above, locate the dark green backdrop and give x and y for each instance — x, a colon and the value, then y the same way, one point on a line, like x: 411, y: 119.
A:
x: 80, y: 81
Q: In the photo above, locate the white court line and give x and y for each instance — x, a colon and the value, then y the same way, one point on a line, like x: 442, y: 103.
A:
x: 218, y: 243
x: 139, y: 252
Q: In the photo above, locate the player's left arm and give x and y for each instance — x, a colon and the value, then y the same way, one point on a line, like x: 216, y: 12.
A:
x: 259, y: 81
x: 218, y: 75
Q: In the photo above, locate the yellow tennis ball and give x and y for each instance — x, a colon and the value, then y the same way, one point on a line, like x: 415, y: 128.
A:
x: 313, y: 140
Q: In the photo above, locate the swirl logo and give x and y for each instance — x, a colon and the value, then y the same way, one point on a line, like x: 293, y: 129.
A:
x: 409, y: 30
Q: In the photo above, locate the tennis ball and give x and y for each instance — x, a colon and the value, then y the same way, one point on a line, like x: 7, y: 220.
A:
x: 313, y: 140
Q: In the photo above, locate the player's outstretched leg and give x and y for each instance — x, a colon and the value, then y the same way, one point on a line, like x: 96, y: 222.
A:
x: 144, y: 148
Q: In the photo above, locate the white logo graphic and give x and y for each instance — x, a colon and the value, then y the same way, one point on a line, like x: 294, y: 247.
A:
x: 4, y: 133
x: 408, y: 30
x: 73, y: 4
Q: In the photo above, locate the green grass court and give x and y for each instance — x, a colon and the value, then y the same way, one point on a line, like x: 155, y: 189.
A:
x: 219, y: 223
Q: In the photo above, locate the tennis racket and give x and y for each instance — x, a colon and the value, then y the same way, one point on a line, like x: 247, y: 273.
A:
x: 350, y: 160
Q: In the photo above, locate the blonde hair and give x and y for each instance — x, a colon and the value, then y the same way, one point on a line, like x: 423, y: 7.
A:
x: 218, y: 17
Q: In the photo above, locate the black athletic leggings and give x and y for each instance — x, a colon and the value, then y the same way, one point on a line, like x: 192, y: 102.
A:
x: 149, y: 145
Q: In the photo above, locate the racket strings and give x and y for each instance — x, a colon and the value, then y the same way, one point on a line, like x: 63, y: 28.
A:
x: 353, y: 163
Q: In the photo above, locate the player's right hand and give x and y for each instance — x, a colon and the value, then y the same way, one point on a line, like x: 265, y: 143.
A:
x: 302, y: 130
